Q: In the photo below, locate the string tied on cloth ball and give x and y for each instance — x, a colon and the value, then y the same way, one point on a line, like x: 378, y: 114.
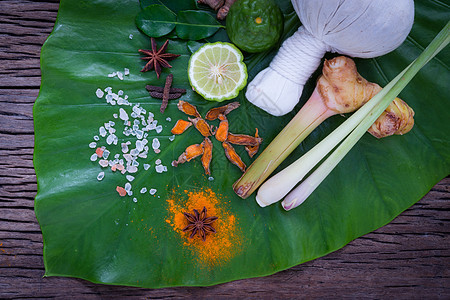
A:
x: 357, y: 28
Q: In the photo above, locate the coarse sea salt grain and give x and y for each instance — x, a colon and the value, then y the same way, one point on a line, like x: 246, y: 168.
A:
x: 171, y: 138
x: 158, y: 129
x: 110, y: 139
x: 100, y: 176
x: 139, y: 145
x: 126, y: 71
x: 120, y: 75
x: 143, y: 190
x: 155, y: 144
x: 103, y: 163
x: 92, y: 145
x: 211, y: 178
x: 134, y: 152
x: 152, y: 191
x: 102, y: 131
x: 168, y: 119
x: 99, y: 93
x: 158, y: 161
x: 105, y: 154
x: 113, y: 74
x: 123, y: 114
x: 132, y: 169
x: 159, y: 168
x: 130, y: 178
x: 94, y: 157
x: 96, y: 138
x: 127, y: 186
x: 146, y: 167
x: 130, y: 36
x: 124, y: 147
x: 134, y: 200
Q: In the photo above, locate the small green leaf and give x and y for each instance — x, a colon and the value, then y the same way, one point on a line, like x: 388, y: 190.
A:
x: 156, y: 20
x: 196, y: 25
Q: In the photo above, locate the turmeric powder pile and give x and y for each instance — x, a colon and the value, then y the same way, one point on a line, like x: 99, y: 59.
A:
x: 218, y: 248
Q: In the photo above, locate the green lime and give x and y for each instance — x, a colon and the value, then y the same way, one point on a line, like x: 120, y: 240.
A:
x: 217, y: 71
x: 254, y: 25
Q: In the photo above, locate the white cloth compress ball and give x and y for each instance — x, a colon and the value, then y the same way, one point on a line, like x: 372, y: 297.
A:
x: 357, y: 28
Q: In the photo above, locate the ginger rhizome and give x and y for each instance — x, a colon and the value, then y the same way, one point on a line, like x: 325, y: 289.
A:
x: 340, y: 89
x: 221, y: 6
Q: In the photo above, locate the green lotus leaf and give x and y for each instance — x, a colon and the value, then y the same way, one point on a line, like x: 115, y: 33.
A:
x: 91, y: 232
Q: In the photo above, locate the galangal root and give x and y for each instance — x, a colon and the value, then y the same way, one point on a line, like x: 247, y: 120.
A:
x: 343, y: 90
x: 223, y: 6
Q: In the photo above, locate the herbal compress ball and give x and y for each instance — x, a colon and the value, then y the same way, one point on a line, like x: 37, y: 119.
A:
x: 358, y: 28
x: 254, y: 25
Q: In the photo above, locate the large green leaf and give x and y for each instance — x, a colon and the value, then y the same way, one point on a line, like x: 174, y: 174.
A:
x: 90, y: 232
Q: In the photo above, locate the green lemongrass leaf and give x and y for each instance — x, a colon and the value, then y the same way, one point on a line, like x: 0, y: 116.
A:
x: 367, y: 115
x: 196, y: 25
x: 156, y: 20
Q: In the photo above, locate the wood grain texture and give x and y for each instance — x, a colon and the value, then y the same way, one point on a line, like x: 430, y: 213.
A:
x: 408, y: 258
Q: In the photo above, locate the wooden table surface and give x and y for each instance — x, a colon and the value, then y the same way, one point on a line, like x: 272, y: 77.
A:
x: 408, y: 258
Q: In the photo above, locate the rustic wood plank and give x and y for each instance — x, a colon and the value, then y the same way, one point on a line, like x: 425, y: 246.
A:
x: 408, y: 258
x: 24, y: 27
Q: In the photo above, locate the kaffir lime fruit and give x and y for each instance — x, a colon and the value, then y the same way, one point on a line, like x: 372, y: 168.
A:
x: 254, y: 25
x: 217, y: 71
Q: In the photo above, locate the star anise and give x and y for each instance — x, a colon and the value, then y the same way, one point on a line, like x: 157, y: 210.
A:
x: 157, y: 59
x: 199, y: 223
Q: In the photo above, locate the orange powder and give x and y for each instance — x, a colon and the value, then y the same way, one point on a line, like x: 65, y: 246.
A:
x: 219, y: 247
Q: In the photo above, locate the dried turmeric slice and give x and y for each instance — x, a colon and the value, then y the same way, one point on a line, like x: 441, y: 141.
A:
x: 181, y: 126
x: 201, y: 126
x: 252, y: 150
x: 207, y: 155
x: 233, y: 156
x: 244, y: 140
x: 222, y: 131
x: 188, y: 108
x: 190, y: 153
x: 214, y: 113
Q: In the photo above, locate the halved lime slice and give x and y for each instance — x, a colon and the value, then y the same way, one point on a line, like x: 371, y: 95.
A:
x: 217, y: 71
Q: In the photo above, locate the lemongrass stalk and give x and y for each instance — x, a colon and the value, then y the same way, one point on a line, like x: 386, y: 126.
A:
x: 279, y: 185
x: 304, y: 190
x: 307, y: 119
